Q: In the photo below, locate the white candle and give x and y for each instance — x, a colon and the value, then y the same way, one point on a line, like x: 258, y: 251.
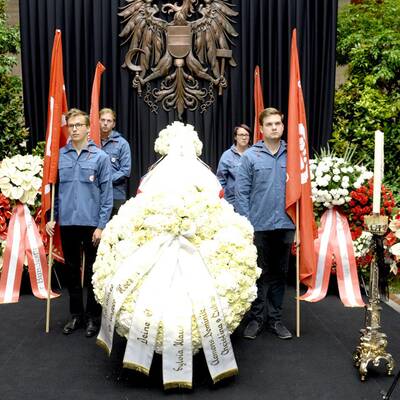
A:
x: 378, y: 172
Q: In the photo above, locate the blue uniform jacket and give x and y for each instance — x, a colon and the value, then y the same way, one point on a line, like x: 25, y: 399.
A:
x: 120, y: 156
x: 84, y: 187
x: 226, y: 172
x: 261, y: 188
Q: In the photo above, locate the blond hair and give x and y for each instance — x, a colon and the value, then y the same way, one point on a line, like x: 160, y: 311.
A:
x: 75, y: 112
x: 268, y: 112
x: 108, y: 111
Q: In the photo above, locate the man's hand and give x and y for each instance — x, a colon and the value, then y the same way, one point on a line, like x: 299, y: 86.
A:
x: 96, y: 236
x: 50, y: 227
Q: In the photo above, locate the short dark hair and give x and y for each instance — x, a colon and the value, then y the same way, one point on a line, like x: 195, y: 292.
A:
x: 75, y: 112
x: 267, y: 112
x: 243, y: 126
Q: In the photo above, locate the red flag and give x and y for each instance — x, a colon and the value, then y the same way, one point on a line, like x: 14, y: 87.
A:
x: 56, y: 133
x: 94, y: 106
x: 258, y: 104
x: 298, y: 183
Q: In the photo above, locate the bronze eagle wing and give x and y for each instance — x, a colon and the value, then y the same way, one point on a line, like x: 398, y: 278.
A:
x: 213, y: 31
x: 146, y: 34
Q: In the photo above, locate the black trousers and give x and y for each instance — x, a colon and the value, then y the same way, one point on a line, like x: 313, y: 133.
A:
x: 116, y: 205
x: 273, y: 249
x: 73, y: 240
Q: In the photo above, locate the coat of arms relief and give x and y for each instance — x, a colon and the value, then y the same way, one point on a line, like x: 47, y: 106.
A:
x: 186, y: 45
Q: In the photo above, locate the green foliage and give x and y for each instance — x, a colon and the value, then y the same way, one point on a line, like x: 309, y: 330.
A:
x: 368, y: 41
x: 13, y: 133
x: 39, y: 149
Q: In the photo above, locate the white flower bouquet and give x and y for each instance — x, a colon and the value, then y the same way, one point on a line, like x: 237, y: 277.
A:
x: 21, y: 178
x: 395, y: 228
x: 223, y: 238
x: 178, y: 135
x: 333, y: 178
x: 362, y: 245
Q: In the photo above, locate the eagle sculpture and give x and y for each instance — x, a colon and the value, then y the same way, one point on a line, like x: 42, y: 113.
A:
x: 181, y: 51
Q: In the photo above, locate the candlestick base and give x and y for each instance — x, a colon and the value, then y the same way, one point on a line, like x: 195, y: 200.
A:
x: 373, y: 343
x: 372, y: 347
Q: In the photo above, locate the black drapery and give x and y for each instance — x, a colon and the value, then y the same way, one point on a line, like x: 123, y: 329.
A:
x: 90, y: 31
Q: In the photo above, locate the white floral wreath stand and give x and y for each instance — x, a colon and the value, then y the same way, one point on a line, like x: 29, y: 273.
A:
x: 176, y: 268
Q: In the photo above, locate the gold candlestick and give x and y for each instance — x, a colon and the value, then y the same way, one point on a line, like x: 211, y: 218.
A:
x: 372, y: 347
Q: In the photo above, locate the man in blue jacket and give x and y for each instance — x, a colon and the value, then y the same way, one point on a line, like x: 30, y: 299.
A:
x: 83, y: 207
x: 120, y: 156
x: 260, y: 196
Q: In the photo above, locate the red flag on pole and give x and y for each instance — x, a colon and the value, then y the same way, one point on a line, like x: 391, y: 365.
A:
x: 56, y: 133
x: 298, y: 183
x: 94, y: 106
x: 258, y: 104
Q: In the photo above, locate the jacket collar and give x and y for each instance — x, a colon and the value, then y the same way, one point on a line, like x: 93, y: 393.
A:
x: 111, y: 137
x: 90, y: 147
x: 261, y: 147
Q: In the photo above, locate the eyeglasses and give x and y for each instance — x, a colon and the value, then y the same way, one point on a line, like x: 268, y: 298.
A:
x: 243, y: 134
x: 77, y: 126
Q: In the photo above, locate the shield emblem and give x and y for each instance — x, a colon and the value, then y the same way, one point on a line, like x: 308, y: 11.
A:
x: 179, y: 41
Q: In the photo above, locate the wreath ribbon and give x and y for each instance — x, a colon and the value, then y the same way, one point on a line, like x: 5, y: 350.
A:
x: 177, y: 284
x: 334, y: 240
x: 23, y: 239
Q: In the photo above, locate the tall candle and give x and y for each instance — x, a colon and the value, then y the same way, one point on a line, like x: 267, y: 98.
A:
x: 378, y: 172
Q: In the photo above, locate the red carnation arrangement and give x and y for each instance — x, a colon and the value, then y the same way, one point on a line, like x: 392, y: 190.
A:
x: 360, y: 205
x: 5, y: 215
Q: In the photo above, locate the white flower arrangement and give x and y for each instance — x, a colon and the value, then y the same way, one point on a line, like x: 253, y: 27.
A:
x: 21, y: 178
x: 395, y: 227
x: 223, y: 238
x: 178, y: 135
x: 333, y: 178
x: 362, y: 245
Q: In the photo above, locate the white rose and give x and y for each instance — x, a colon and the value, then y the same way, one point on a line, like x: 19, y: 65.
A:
x: 16, y: 193
x: 4, y: 180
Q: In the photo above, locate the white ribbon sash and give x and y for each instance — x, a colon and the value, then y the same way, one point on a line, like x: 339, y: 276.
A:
x: 148, y: 312
x: 123, y: 283
x: 334, y: 239
x: 215, y: 338
x: 177, y: 336
x: 176, y: 284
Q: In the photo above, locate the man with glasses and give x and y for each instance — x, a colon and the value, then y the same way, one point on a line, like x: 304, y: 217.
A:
x: 119, y: 151
x: 260, y: 196
x: 230, y: 160
x: 83, y: 207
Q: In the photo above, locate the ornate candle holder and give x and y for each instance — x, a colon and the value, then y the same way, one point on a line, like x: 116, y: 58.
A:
x: 372, y: 347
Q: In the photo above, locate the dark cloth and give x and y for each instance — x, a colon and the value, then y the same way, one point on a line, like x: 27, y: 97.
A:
x: 273, y: 248
x: 74, y: 239
x: 116, y: 205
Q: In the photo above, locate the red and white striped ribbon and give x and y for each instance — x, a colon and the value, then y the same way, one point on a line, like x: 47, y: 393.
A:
x: 23, y: 239
x: 334, y: 240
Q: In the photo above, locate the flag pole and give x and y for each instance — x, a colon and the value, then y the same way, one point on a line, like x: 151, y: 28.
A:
x: 297, y: 271
x: 50, y: 261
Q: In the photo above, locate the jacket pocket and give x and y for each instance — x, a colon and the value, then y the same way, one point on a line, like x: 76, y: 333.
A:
x: 261, y: 174
x: 66, y: 171
x: 88, y: 173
